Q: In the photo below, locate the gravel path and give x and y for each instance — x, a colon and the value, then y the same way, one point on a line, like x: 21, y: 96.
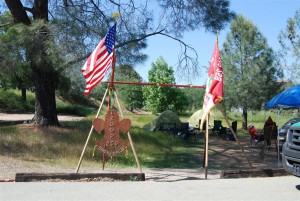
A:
x: 10, y: 166
x: 27, y: 117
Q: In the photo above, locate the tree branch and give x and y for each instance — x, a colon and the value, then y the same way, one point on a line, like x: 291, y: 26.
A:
x: 140, y: 39
x: 187, y: 65
x: 28, y: 9
x: 117, y: 46
x: 18, y: 12
x: 6, y: 24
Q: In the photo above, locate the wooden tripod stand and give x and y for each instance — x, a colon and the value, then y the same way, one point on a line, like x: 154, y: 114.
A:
x: 110, y: 89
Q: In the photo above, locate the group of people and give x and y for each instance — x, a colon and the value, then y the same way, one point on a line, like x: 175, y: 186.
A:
x: 260, y: 136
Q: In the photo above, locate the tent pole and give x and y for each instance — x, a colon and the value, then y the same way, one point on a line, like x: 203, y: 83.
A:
x: 265, y: 118
x: 278, y: 150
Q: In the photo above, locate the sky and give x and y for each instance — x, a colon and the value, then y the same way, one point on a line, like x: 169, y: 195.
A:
x: 270, y: 16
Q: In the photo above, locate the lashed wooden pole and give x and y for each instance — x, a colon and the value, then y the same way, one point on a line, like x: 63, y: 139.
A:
x: 157, y: 84
x: 91, y: 130
x: 234, y: 134
x: 128, y: 133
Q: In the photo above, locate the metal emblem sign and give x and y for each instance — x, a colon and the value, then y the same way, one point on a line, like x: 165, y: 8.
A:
x: 112, y: 144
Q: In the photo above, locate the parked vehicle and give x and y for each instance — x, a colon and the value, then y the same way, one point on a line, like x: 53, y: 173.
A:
x: 291, y: 150
x: 285, y: 127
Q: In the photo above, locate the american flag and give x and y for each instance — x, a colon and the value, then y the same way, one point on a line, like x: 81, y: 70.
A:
x: 99, y: 61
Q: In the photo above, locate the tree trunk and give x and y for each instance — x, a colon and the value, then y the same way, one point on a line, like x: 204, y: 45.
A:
x: 45, y: 79
x: 245, y: 117
x: 23, y: 94
x: 45, y: 103
x: 44, y: 75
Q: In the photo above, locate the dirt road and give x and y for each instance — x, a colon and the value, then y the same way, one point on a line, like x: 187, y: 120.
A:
x: 26, y: 117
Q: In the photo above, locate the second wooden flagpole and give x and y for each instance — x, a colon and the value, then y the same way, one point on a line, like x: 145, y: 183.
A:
x: 206, y: 147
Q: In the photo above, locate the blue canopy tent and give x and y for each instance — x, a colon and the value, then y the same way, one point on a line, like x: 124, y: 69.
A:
x: 288, y: 99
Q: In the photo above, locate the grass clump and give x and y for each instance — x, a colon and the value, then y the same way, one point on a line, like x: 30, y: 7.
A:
x: 10, y: 100
x: 79, y: 110
x: 54, y: 145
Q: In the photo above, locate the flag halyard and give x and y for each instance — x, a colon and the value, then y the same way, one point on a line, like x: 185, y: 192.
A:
x: 99, y: 61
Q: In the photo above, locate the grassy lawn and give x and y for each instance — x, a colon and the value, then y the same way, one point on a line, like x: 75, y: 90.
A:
x: 63, y: 145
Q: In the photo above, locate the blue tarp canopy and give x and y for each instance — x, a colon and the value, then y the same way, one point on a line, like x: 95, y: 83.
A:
x: 289, y: 98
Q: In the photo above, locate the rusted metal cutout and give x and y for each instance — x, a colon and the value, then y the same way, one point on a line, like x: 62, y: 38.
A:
x: 112, y: 144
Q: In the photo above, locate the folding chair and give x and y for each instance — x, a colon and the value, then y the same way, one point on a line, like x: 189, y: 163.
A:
x: 184, y: 129
x: 229, y: 134
x: 254, y: 142
x: 218, y: 128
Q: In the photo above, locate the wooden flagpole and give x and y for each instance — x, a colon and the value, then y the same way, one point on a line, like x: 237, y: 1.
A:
x: 204, y: 153
x: 112, y: 88
x: 115, y: 15
x: 206, y: 147
x: 234, y: 134
x: 128, y: 133
x: 90, y: 133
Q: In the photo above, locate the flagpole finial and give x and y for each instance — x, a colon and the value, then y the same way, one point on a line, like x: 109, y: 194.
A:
x: 116, y: 16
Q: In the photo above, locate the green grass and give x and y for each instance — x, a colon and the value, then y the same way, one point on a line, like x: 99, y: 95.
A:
x: 63, y: 146
x: 63, y: 108
x: 139, y: 120
x: 10, y: 100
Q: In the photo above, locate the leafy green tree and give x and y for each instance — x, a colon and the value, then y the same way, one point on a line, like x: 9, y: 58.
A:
x: 159, y: 99
x: 14, y: 65
x: 289, y: 40
x: 250, y: 68
x: 195, y: 98
x: 131, y: 95
x: 181, y: 101
x: 78, y: 25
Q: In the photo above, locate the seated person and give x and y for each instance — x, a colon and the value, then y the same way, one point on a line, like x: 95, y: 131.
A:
x: 255, y: 135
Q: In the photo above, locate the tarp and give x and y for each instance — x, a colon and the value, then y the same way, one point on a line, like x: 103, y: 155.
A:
x: 168, y: 118
x: 289, y: 98
x: 194, y: 119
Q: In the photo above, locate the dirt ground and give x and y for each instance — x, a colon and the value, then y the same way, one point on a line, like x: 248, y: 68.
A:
x: 226, y: 152
x: 222, y: 155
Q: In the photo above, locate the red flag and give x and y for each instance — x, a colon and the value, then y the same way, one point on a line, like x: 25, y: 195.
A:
x: 214, y: 85
x: 99, y: 61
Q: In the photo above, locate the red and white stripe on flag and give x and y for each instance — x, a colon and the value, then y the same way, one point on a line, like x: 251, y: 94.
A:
x: 214, y: 85
x: 99, y: 61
